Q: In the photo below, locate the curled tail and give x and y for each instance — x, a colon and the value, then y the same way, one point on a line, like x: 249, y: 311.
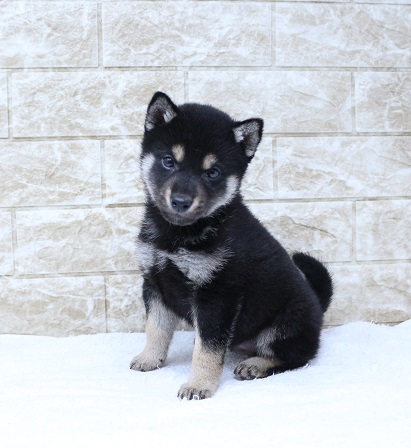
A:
x: 318, y: 277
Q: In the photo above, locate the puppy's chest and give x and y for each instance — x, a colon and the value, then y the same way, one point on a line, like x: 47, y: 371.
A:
x: 197, y: 266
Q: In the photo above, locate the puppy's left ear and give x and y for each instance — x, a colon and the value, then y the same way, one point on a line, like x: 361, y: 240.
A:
x: 248, y: 134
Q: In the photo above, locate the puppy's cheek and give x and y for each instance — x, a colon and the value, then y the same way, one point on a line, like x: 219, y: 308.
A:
x: 165, y: 198
x: 196, y: 208
x: 224, y: 194
x: 146, y: 167
x: 162, y: 194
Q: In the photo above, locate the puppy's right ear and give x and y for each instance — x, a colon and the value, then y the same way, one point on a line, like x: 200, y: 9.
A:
x: 160, y: 111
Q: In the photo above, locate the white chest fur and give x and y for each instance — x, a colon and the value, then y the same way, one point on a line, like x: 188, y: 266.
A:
x: 198, y: 266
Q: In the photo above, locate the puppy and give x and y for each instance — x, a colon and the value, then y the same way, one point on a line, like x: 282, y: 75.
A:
x: 206, y: 259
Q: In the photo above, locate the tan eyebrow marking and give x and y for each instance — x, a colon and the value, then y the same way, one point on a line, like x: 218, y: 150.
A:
x: 178, y: 152
x: 209, y: 161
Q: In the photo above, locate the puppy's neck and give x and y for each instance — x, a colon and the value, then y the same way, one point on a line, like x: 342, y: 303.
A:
x: 201, y: 235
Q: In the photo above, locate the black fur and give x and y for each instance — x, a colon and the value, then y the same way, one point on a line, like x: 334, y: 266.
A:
x: 256, y: 288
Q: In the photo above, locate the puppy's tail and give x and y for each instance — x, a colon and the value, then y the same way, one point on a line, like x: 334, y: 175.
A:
x: 318, y: 277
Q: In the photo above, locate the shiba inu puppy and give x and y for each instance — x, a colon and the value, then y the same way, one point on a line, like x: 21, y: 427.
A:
x: 206, y: 259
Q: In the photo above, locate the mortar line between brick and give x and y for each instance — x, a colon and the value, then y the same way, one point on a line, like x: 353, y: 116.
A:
x: 105, y: 303
x: 353, y: 104
x: 14, y: 239
x: 76, y: 274
x: 276, y: 180
x: 104, y: 274
x: 103, y: 180
x: 354, y: 230
x: 65, y: 207
x: 100, y: 36
x: 250, y: 68
x: 266, y: 134
x: 186, y: 86
x: 90, y: 207
x: 9, y: 105
x: 273, y: 36
x: 360, y: 263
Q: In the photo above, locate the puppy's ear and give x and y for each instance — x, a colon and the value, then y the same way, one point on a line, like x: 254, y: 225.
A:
x: 160, y: 111
x: 248, y: 134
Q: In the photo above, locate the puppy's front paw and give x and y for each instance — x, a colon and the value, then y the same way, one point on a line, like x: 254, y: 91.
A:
x: 144, y: 363
x: 193, y: 393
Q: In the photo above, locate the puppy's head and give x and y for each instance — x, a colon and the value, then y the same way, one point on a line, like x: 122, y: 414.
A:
x: 194, y: 158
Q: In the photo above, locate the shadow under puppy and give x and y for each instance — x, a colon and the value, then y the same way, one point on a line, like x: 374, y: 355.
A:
x: 206, y: 259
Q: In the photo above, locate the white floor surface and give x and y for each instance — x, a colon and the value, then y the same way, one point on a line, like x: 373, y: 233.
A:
x: 79, y: 392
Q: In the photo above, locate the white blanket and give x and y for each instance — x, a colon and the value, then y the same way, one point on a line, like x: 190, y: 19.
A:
x: 79, y: 392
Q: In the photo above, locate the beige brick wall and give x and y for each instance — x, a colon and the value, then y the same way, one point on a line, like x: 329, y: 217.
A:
x: 332, y: 176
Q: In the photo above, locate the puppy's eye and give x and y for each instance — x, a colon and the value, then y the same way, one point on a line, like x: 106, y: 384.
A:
x: 168, y: 162
x: 213, y: 173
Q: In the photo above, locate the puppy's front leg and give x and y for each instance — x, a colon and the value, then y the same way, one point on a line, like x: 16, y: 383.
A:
x: 160, y: 326
x: 206, y: 370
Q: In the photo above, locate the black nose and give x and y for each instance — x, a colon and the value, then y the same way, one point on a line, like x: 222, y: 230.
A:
x: 180, y: 202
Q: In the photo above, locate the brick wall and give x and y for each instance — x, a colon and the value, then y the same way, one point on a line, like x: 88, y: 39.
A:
x: 332, y: 176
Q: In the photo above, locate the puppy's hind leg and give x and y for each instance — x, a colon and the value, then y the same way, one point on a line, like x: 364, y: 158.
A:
x: 279, y: 352
x: 160, y: 326
x: 262, y: 365
x: 256, y: 367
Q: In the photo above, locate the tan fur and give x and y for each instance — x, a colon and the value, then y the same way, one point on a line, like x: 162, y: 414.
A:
x: 147, y: 163
x: 233, y: 184
x: 160, y: 327
x: 178, y: 153
x: 255, y: 367
x: 206, y: 371
x: 208, y: 161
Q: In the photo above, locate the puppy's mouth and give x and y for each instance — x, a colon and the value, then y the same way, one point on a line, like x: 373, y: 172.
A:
x: 178, y: 219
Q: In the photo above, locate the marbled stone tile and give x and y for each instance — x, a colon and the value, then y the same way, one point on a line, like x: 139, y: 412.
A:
x: 337, y: 167
x: 77, y: 240
x: 123, y: 183
x: 92, y: 103
x: 376, y: 293
x: 287, y: 101
x: 6, y: 244
x: 260, y: 179
x: 344, y: 35
x: 125, y: 307
x: 52, y: 34
x: 60, y: 306
x: 186, y: 33
x: 383, y: 230
x: 4, y: 121
x: 383, y: 102
x: 323, y: 229
x: 49, y: 173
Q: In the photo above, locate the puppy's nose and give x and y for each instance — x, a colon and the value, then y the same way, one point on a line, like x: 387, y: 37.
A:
x: 180, y: 202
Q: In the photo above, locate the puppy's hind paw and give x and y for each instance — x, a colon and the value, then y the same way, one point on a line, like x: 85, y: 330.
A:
x: 142, y: 363
x: 255, y: 367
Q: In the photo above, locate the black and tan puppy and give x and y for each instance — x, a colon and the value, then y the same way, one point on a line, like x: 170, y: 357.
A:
x: 206, y: 259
